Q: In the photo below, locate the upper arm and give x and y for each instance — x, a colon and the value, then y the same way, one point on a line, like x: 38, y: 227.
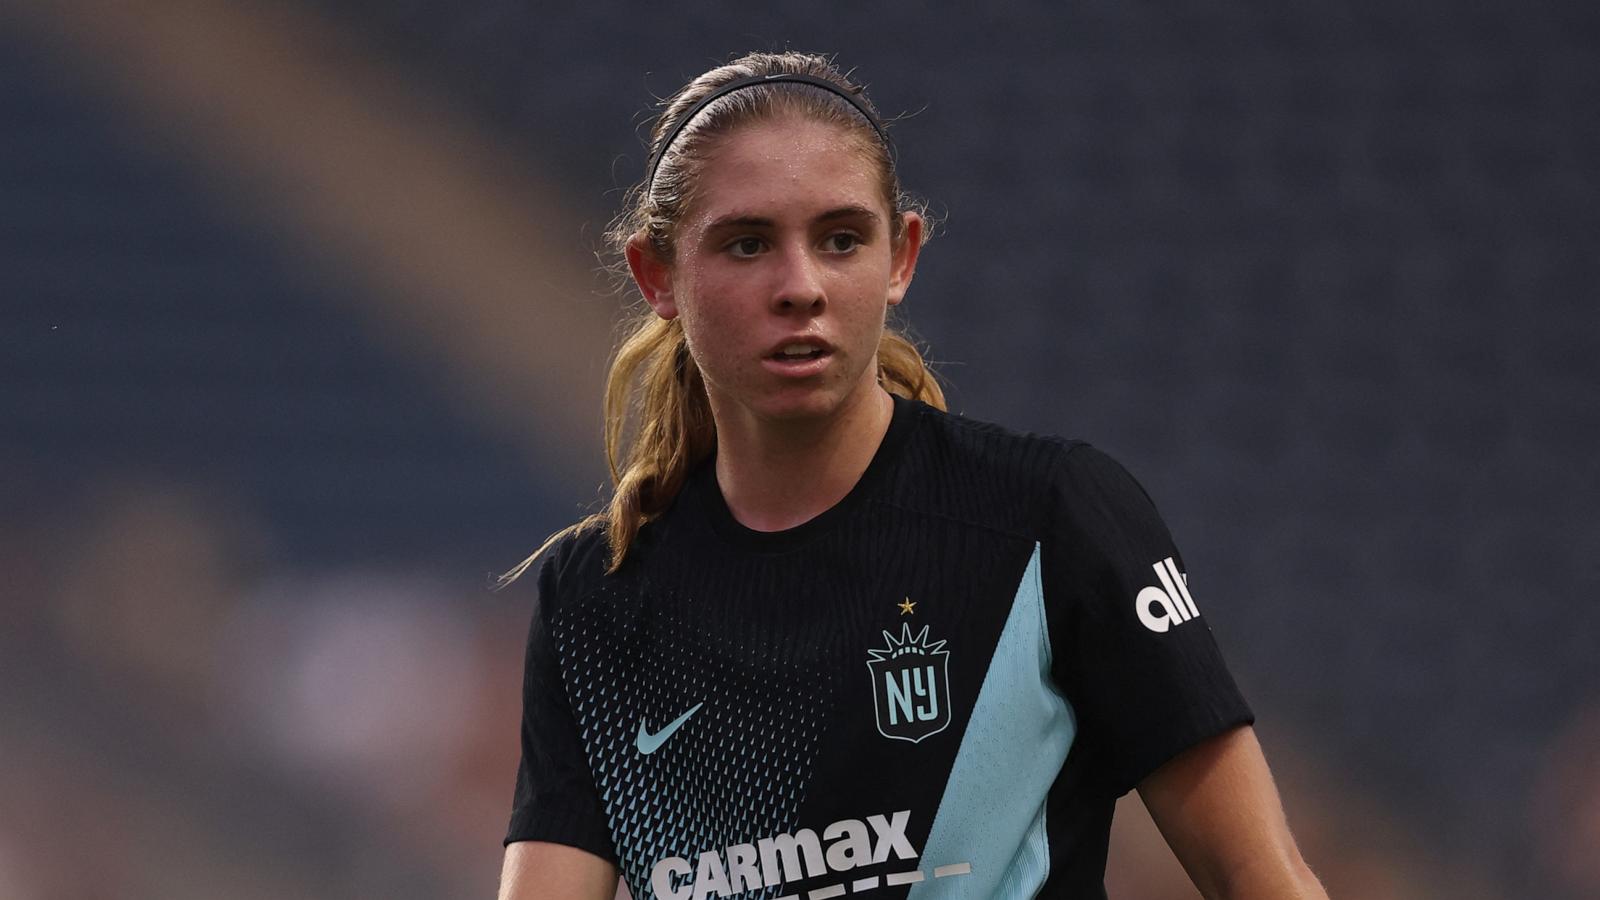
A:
x: 1134, y: 647
x: 1218, y: 809
x: 536, y: 870
x: 555, y: 798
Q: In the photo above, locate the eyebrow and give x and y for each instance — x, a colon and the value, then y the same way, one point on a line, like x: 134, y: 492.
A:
x: 842, y: 212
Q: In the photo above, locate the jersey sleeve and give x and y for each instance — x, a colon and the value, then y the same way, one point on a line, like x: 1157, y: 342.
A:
x: 555, y: 798
x: 1134, y: 652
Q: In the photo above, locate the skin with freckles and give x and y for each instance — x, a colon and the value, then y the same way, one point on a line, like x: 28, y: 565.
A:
x: 787, y: 241
x: 787, y: 235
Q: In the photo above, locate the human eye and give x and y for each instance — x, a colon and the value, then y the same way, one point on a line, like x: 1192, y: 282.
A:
x: 841, y: 242
x: 745, y: 247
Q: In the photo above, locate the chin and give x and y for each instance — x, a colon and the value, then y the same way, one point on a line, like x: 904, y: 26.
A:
x: 818, y: 403
x: 797, y: 401
x: 799, y: 409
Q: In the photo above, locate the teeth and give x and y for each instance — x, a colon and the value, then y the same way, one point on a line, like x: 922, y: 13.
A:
x: 791, y: 351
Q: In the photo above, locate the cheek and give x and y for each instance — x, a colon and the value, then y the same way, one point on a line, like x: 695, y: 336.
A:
x: 713, y: 332
x: 871, y: 306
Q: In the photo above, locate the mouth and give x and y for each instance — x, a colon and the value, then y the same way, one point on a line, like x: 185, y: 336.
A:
x: 798, y: 353
x: 800, y: 350
x: 799, y: 358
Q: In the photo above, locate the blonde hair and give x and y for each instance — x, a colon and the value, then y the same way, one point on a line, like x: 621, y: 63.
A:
x: 653, y: 383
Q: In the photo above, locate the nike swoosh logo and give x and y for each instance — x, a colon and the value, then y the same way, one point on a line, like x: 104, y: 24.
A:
x: 649, y: 743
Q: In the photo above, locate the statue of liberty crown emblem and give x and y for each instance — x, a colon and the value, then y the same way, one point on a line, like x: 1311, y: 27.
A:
x: 910, y: 685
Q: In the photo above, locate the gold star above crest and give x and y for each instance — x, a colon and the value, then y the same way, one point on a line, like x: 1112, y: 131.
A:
x: 907, y: 606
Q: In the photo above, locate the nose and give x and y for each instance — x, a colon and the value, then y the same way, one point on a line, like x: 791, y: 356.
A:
x: 799, y: 286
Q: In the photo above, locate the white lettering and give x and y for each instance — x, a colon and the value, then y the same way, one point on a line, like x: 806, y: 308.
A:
x: 891, y: 836
x: 853, y: 847
x: 784, y: 858
x: 710, y: 877
x: 661, y: 878
x: 1155, y: 596
x: 1172, y: 592
x: 742, y: 872
x: 1176, y: 605
x: 1183, y: 586
x: 780, y: 857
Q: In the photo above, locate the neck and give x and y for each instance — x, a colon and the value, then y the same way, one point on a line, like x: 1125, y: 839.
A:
x: 776, y: 475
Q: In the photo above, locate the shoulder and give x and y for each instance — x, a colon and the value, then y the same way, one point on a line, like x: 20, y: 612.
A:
x: 1097, y: 493
x: 1020, y: 481
x: 953, y: 439
x: 1104, y: 526
x: 572, y: 567
x: 981, y: 471
x: 1088, y: 475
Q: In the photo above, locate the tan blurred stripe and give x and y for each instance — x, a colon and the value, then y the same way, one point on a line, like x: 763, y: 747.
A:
x: 466, y: 257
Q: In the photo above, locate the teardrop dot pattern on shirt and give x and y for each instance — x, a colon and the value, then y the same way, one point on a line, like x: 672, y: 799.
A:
x: 735, y: 771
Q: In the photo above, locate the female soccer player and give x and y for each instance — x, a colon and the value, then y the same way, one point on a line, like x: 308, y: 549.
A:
x: 828, y: 639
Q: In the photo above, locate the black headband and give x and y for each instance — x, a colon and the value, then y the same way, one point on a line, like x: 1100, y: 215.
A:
x: 748, y: 81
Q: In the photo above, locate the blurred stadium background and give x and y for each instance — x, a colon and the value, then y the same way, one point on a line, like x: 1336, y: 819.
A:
x: 301, y: 336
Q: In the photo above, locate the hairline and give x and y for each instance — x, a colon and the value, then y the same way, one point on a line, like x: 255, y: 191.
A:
x: 862, y: 146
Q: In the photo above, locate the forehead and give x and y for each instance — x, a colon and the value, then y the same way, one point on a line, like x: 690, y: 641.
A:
x: 784, y: 167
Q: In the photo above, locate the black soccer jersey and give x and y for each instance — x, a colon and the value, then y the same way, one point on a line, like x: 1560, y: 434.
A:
x: 937, y: 688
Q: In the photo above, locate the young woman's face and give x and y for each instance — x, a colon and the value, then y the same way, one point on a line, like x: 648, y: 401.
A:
x: 784, y: 271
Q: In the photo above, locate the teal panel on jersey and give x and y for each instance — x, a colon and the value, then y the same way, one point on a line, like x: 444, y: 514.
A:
x: 1014, y: 745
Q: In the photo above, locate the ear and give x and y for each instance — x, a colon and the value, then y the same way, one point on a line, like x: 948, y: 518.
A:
x: 653, y: 276
x: 903, y: 259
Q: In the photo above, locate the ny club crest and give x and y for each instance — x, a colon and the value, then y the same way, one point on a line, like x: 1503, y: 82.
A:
x: 910, y: 685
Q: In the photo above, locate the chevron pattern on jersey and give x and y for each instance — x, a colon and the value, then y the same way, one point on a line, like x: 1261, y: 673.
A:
x: 734, y: 771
